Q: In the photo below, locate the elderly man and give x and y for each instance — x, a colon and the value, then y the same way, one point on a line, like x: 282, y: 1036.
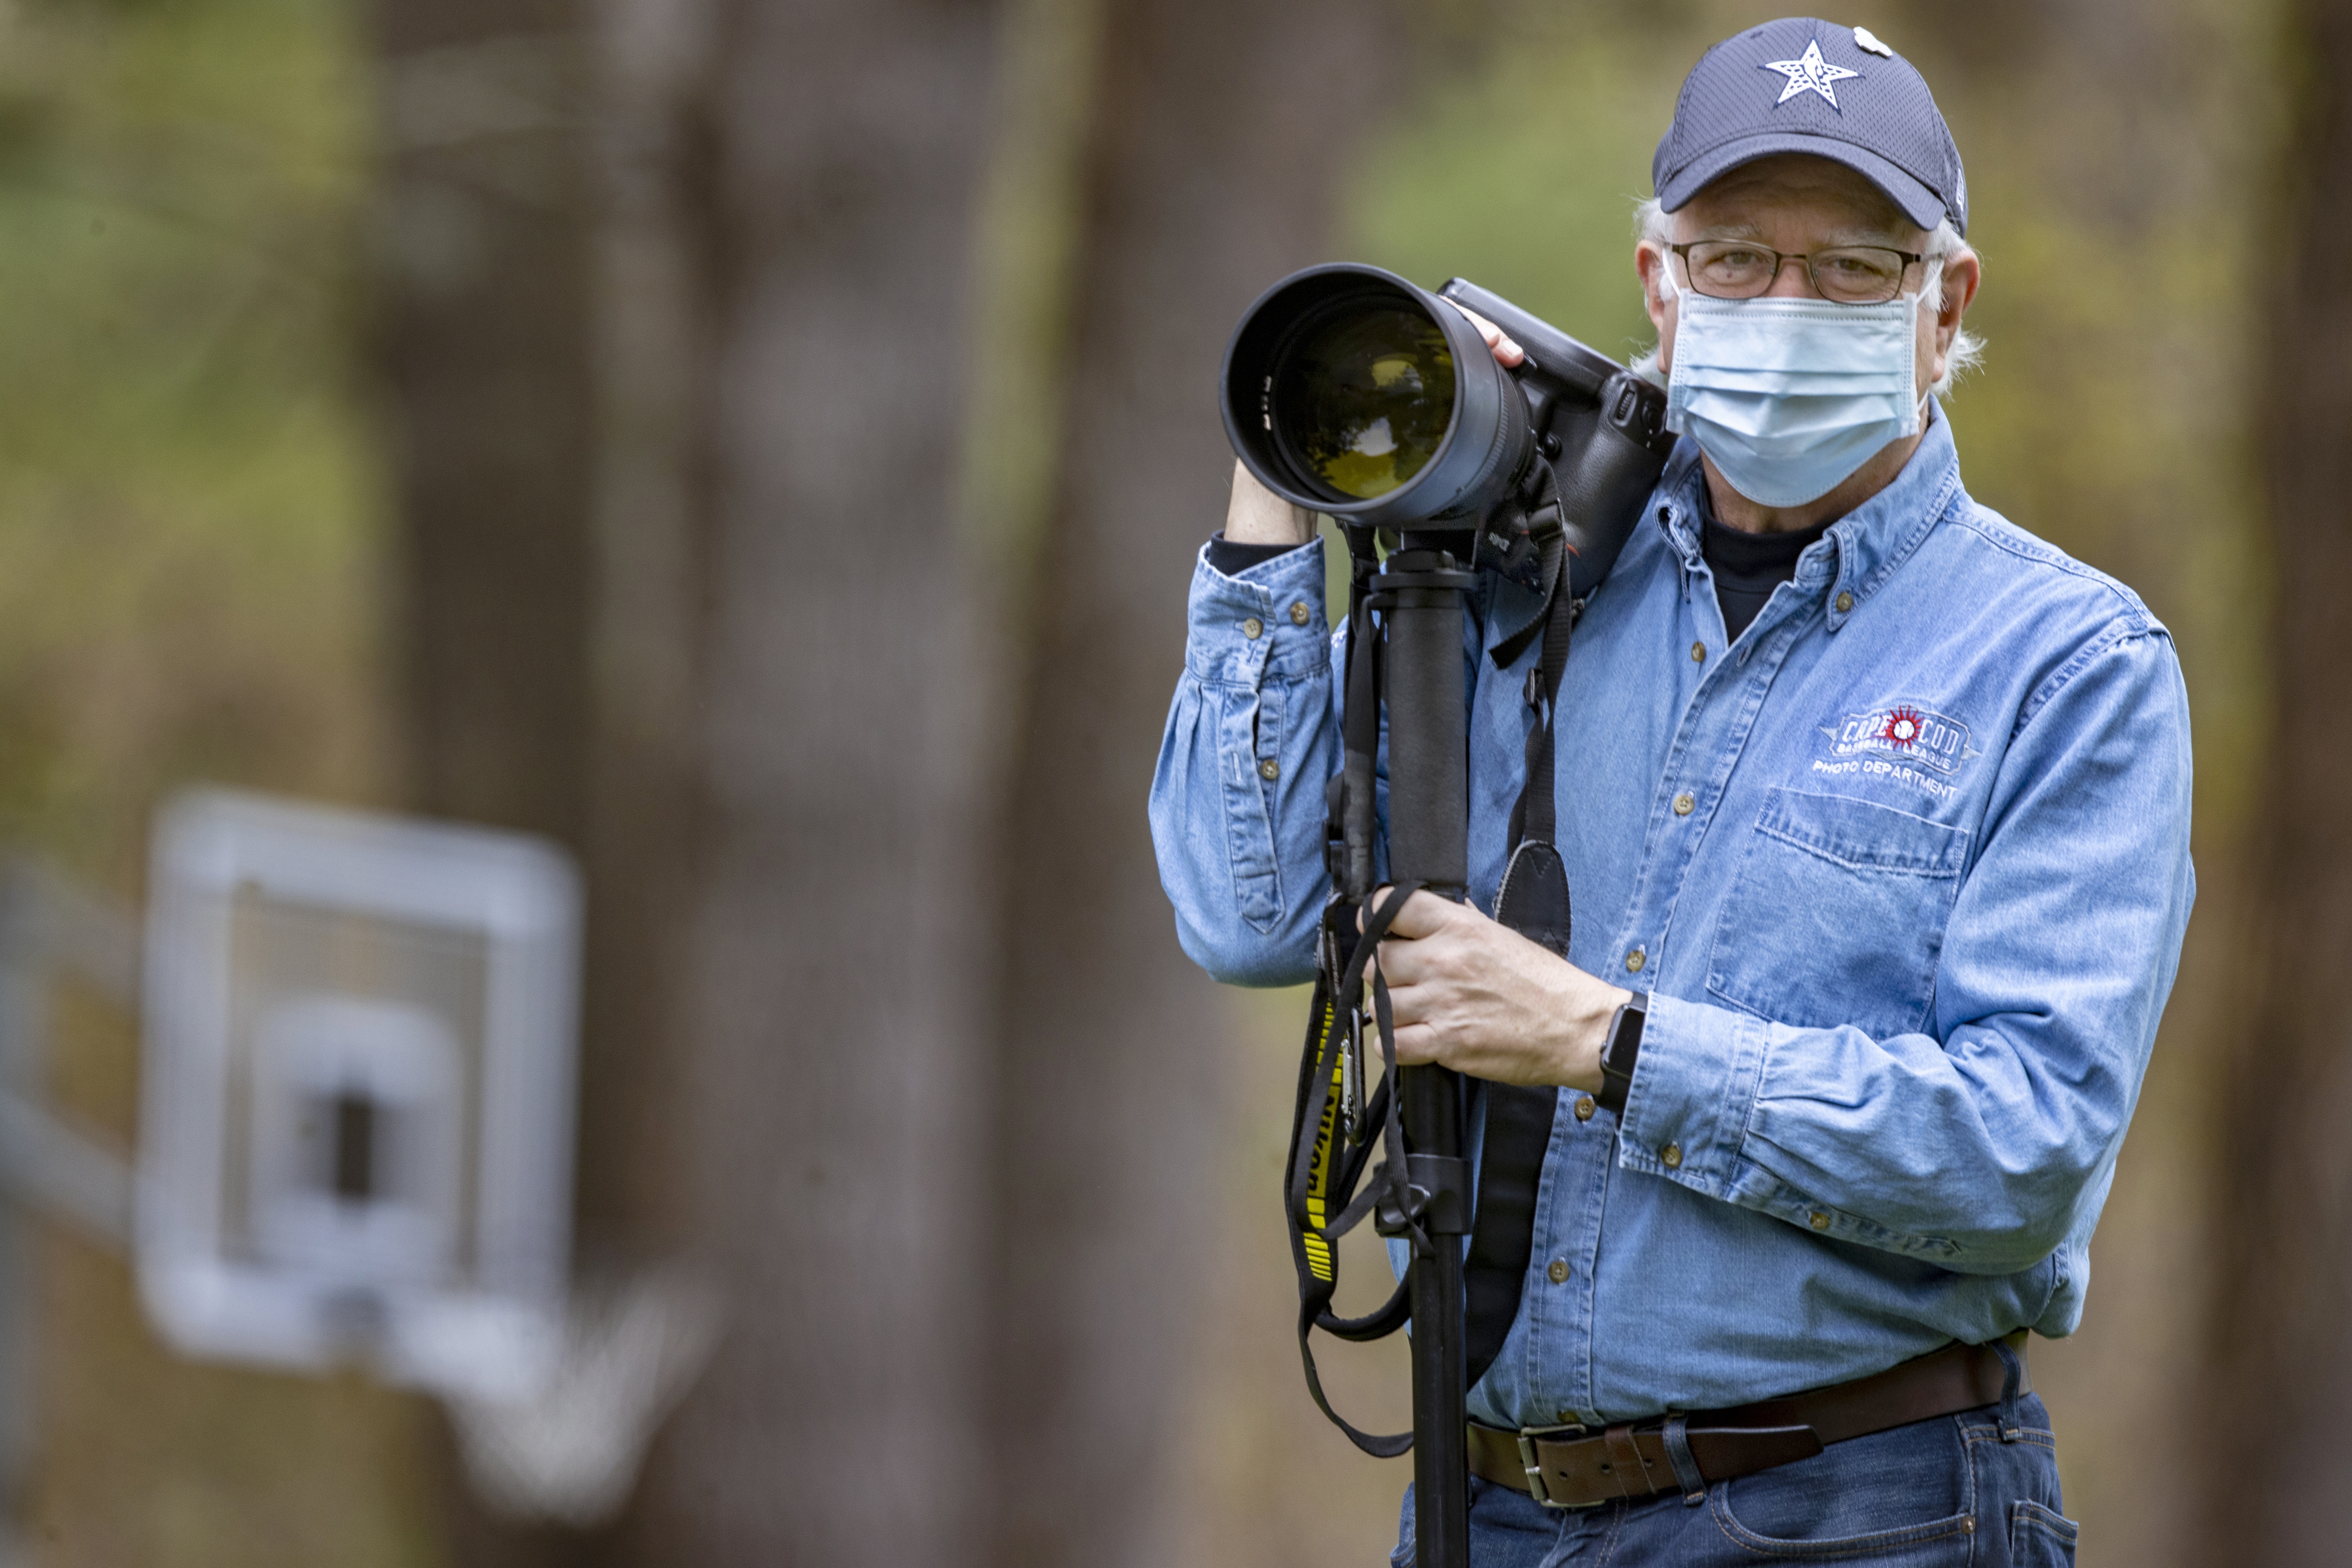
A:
x: 1875, y: 809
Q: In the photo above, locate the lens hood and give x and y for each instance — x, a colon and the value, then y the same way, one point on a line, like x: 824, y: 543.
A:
x: 1350, y: 390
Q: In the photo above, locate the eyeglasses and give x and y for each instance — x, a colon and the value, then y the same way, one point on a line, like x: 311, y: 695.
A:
x: 1849, y: 274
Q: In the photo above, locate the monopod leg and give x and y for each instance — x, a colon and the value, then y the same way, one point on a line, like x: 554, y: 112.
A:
x: 1440, y: 1482
x: 1429, y: 812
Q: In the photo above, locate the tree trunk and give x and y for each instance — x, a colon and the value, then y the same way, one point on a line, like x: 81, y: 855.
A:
x: 484, y: 336
x: 677, y: 500
x: 887, y: 1021
x: 831, y: 1056
x: 1222, y: 128
x: 2281, y: 1364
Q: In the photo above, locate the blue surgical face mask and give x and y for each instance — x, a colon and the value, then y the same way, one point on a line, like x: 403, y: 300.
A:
x: 1788, y: 397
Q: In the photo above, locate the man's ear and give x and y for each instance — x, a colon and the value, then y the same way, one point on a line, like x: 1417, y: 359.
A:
x: 1962, y: 272
x: 1649, y: 263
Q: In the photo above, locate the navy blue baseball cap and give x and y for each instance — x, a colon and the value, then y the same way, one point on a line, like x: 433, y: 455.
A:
x: 1801, y: 85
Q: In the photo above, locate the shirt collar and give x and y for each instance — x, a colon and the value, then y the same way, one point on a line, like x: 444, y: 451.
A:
x: 1862, y: 549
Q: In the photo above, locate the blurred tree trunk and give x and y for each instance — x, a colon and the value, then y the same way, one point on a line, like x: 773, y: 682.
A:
x: 1221, y: 132
x: 887, y: 1020
x: 678, y: 453
x: 829, y: 1063
x: 2280, y: 1378
x: 484, y: 336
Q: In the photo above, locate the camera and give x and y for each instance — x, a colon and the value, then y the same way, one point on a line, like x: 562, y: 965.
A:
x: 1350, y: 390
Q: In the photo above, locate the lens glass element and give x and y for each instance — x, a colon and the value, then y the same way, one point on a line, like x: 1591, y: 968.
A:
x: 1363, y: 399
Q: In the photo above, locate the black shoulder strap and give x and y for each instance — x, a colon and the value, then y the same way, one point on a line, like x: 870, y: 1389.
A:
x: 1535, y: 814
x: 1534, y: 903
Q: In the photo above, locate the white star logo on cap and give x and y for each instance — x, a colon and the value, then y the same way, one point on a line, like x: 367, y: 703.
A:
x: 1809, y: 73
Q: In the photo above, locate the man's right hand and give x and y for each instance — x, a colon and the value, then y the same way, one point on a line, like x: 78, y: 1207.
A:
x: 1258, y: 516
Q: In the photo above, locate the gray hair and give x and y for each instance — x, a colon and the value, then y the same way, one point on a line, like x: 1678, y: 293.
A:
x: 1650, y: 223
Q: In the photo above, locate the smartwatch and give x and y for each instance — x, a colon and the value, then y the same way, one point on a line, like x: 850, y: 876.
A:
x: 1617, y: 1054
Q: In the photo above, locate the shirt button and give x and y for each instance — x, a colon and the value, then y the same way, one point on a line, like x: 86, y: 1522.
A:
x: 1672, y: 1156
x: 1684, y: 804
x: 1585, y: 1108
x: 1269, y: 769
x: 1698, y: 653
x: 1635, y: 960
x: 1819, y: 1220
x: 1559, y: 1271
x: 1251, y: 627
x: 1300, y: 614
x: 1844, y: 602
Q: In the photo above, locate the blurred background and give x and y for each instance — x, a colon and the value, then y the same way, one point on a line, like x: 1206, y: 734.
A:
x: 760, y: 446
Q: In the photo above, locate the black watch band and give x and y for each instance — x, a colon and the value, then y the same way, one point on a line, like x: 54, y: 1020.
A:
x: 1619, y: 1052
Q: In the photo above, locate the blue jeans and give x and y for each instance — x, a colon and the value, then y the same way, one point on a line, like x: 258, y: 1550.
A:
x: 1942, y: 1493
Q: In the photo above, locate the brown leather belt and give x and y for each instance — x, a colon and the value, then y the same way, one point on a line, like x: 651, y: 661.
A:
x: 1575, y: 1467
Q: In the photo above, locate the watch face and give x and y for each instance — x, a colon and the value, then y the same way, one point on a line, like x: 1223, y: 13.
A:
x: 1624, y: 1029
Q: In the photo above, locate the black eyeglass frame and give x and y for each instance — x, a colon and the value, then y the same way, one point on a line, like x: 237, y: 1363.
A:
x: 1780, y: 258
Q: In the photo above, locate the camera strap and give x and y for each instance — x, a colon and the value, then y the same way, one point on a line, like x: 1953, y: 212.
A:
x: 1327, y: 1158
x: 1334, y: 1131
x: 1534, y: 903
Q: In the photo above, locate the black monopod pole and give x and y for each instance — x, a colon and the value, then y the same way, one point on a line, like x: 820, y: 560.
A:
x: 1429, y: 810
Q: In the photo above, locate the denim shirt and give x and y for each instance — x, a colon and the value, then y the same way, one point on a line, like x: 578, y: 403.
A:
x: 1905, y: 870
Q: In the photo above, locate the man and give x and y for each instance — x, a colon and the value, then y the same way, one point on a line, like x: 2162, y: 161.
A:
x: 1875, y: 811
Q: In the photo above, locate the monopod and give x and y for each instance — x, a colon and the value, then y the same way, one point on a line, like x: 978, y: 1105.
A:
x: 1429, y: 845
x: 1469, y: 495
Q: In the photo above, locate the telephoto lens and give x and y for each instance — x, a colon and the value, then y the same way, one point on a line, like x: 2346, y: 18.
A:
x: 1368, y: 400
x: 1348, y: 391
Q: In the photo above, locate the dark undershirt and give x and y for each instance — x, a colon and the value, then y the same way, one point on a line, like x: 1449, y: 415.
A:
x: 1747, y: 566
x: 1233, y: 560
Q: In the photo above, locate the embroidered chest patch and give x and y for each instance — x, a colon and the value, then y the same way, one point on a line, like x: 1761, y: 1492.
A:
x: 1908, y: 741
x: 1911, y: 732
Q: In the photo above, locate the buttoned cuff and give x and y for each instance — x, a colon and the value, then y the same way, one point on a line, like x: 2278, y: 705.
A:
x: 1693, y: 1085
x: 1687, y: 1118
x: 1266, y: 622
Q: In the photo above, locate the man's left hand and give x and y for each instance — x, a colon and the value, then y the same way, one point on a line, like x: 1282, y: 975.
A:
x: 1476, y: 996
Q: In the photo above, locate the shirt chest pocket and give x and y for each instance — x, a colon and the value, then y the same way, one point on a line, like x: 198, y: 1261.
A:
x: 1837, y: 914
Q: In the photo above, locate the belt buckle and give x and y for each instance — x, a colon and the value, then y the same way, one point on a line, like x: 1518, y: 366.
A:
x: 1535, y: 1486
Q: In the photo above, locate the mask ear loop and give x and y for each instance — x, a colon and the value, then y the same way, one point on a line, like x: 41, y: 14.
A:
x: 1675, y: 293
x: 1931, y: 281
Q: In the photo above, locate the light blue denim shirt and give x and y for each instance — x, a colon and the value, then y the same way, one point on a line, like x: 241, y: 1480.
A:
x: 1905, y: 870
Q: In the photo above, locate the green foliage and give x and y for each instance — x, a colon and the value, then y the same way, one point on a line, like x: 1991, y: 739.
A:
x: 188, y: 589
x: 185, y: 492
x: 1522, y: 176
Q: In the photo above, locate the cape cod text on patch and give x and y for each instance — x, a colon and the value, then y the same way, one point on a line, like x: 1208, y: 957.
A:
x: 1897, y: 741
x: 1911, y: 732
